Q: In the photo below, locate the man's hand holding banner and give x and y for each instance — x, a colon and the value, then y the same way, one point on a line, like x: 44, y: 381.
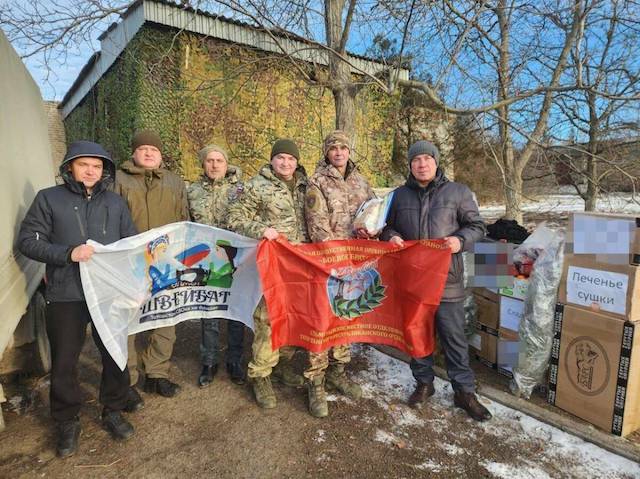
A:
x: 338, y: 292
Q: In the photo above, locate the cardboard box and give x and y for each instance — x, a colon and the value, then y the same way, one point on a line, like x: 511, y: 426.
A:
x: 488, y: 311
x: 484, y: 345
x: 595, y: 369
x: 595, y: 286
x: 508, y: 351
x: 511, y: 312
x: 518, y: 290
x: 609, y: 238
x: 488, y: 293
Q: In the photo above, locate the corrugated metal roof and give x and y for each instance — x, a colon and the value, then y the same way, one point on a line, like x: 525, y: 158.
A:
x: 164, y: 12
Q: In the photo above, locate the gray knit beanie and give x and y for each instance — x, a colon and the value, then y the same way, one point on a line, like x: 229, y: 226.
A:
x: 423, y: 147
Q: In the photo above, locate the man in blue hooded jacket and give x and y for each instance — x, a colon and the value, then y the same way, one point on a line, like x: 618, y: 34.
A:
x: 55, y: 230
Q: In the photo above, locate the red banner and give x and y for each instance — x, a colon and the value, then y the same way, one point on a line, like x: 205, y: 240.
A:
x: 339, y: 292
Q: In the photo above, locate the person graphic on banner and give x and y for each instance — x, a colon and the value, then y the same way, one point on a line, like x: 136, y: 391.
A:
x: 222, y: 277
x: 336, y: 191
x: 271, y: 204
x: 429, y: 206
x: 156, y: 197
x: 209, y: 200
x: 54, y: 231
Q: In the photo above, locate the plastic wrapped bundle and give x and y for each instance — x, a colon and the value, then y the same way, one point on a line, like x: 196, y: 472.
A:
x: 372, y: 214
x: 470, y: 307
x: 536, y: 327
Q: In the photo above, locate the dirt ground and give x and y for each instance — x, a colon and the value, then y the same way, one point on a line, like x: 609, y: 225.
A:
x: 220, y: 432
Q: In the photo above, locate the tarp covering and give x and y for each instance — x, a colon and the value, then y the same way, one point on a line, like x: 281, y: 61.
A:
x: 26, y: 168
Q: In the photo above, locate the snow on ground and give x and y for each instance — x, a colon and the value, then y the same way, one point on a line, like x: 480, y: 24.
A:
x: 564, y: 203
x: 388, y: 381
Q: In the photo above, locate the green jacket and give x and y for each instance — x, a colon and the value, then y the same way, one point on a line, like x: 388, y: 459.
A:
x: 155, y: 197
x: 209, y: 199
x: 267, y: 202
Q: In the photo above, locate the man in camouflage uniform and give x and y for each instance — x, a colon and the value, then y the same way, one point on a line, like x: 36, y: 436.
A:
x: 272, y: 203
x: 335, y: 192
x: 209, y: 199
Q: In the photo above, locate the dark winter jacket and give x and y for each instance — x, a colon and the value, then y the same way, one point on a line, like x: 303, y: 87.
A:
x: 65, y: 216
x: 442, y: 208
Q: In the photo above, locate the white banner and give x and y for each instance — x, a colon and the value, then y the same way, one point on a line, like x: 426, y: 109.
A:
x: 167, y: 275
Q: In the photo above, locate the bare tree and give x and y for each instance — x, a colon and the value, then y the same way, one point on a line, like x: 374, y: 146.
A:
x: 505, y: 61
x: 605, y: 59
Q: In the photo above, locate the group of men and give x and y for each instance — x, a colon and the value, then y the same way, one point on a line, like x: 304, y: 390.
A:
x: 97, y: 202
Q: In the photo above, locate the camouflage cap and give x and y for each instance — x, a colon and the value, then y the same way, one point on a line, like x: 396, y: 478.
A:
x: 335, y: 138
x: 202, y: 154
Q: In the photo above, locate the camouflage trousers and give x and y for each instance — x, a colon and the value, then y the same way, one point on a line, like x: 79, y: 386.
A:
x: 264, y: 357
x: 319, y: 362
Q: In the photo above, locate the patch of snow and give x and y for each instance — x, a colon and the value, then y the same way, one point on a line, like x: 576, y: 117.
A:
x: 429, y: 466
x: 389, y: 383
x: 565, y: 203
x: 452, y: 449
x: 320, y: 436
x: 14, y: 403
x: 509, y: 471
x: 385, y: 437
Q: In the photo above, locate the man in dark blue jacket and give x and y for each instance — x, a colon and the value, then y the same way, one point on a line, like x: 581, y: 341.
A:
x: 54, y: 231
x: 429, y: 206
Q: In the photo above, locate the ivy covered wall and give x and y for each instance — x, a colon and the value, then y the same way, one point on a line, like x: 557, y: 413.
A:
x: 197, y: 90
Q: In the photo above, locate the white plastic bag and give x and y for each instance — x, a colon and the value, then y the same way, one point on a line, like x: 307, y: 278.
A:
x: 372, y: 214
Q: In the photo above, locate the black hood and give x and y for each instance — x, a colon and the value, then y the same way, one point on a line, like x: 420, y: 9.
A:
x: 82, y: 148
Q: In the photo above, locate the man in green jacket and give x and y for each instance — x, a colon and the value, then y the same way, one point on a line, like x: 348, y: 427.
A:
x: 272, y: 204
x: 209, y: 199
x: 156, y: 197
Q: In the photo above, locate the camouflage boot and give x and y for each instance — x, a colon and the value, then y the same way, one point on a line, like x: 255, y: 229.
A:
x: 284, y: 373
x: 337, y: 379
x: 317, y: 397
x: 263, y: 391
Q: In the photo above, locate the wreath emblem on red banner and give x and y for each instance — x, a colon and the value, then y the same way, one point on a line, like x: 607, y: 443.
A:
x: 353, y: 294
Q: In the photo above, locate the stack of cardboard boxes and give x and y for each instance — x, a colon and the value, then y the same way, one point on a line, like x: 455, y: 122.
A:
x: 595, y: 364
x: 496, y: 341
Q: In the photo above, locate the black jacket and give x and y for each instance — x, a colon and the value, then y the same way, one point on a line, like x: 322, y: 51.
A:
x: 65, y: 216
x: 442, y: 208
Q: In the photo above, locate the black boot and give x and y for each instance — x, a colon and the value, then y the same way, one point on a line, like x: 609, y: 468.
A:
x: 236, y: 373
x: 67, y: 434
x: 422, y: 392
x: 206, y: 375
x: 134, y: 400
x: 161, y: 386
x: 469, y: 402
x: 116, y: 424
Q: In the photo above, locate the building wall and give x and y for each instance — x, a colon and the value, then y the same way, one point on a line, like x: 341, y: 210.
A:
x: 57, y: 136
x: 196, y: 90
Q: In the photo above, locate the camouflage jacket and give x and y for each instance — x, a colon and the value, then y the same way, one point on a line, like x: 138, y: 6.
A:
x: 209, y: 199
x: 332, y: 201
x: 267, y: 202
